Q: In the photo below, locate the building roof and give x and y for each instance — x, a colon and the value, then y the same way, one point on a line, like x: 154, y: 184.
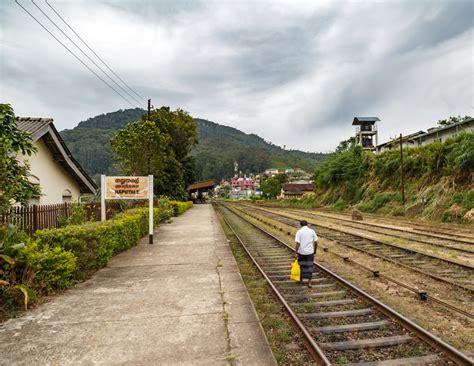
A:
x: 405, y: 138
x: 209, y: 183
x: 436, y: 130
x: 43, y: 128
x: 297, y: 187
x: 371, y: 120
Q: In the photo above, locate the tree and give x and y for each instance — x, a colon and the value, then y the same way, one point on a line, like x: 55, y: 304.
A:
x: 346, y: 144
x: 14, y: 183
x: 159, y: 146
x: 271, y: 187
x: 452, y: 120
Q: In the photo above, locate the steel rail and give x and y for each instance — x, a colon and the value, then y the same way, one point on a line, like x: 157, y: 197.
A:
x: 315, y: 351
x: 463, y: 265
x: 451, y: 352
x: 422, y: 294
x: 429, y: 229
x: 388, y: 259
x: 381, y: 227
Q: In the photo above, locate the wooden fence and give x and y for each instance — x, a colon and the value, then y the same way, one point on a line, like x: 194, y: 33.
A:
x: 38, y: 217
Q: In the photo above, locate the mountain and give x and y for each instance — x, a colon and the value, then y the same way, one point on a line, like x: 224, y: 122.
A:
x: 215, y: 154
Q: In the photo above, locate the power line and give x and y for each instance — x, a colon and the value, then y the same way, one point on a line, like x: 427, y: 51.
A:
x: 72, y: 53
x: 82, y: 40
x: 85, y: 54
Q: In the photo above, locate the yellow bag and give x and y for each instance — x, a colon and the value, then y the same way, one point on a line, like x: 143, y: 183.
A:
x: 295, y: 271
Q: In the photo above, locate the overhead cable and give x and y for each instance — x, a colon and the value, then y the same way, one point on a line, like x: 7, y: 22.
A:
x: 72, y: 53
x: 85, y: 43
x: 85, y: 54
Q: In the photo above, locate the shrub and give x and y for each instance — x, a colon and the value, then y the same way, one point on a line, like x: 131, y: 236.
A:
x: 94, y: 243
x: 180, y: 207
x: 50, y: 268
x: 468, y: 202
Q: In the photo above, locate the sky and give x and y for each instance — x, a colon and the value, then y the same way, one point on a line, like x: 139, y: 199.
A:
x: 294, y: 72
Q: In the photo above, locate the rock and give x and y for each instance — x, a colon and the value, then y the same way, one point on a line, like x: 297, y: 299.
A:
x: 357, y: 215
x: 455, y: 210
x: 469, y: 216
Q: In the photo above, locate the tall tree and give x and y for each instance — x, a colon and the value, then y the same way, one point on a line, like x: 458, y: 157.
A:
x: 159, y: 146
x: 14, y: 183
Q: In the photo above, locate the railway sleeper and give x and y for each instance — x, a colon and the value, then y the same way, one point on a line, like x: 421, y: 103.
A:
x: 351, y: 327
x: 413, y: 361
x: 337, y: 314
x: 325, y: 303
x: 366, y: 343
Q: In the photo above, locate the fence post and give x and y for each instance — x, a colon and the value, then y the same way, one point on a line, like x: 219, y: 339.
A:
x: 35, y: 218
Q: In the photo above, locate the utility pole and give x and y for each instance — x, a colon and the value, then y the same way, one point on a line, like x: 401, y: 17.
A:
x: 401, y: 170
x: 149, y: 108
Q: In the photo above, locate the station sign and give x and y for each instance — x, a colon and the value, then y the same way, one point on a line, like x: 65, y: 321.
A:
x: 126, y: 188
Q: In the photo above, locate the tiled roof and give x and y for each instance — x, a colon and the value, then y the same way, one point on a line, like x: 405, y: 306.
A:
x: 32, y: 124
x: 209, y: 183
x: 298, y: 187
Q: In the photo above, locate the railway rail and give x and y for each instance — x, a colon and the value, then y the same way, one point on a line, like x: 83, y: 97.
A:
x: 341, y: 323
x: 453, y: 273
x: 425, y: 228
x: 458, y: 245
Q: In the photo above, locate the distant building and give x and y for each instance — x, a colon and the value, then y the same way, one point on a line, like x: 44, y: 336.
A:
x: 271, y: 172
x: 434, y: 134
x: 296, y: 190
x: 366, y: 132
x: 242, y: 184
x: 60, y: 176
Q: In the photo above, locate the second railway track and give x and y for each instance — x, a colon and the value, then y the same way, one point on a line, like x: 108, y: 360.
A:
x: 453, y: 273
x: 342, y: 323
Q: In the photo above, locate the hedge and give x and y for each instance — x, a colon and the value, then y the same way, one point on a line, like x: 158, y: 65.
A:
x: 56, y: 258
x: 181, y: 207
x: 94, y: 243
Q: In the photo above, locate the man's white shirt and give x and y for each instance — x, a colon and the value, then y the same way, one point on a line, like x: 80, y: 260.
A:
x: 306, y: 236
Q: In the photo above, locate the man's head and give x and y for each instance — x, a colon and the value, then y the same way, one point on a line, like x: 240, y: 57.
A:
x: 303, y: 223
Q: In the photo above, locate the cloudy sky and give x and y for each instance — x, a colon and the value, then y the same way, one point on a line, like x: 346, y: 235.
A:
x: 294, y: 72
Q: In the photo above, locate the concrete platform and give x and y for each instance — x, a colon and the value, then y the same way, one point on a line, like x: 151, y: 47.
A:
x: 161, y: 304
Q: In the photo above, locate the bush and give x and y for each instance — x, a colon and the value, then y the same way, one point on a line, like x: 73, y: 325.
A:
x: 468, y: 202
x: 180, y: 207
x: 49, y: 268
x: 94, y: 243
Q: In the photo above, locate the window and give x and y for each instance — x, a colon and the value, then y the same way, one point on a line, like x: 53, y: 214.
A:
x: 67, y: 195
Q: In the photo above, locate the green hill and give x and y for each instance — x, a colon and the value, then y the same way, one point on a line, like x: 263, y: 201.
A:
x: 219, y: 146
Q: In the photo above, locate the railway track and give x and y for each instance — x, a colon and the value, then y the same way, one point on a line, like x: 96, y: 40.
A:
x: 464, y: 246
x: 341, y: 323
x: 453, y: 273
x: 432, y: 231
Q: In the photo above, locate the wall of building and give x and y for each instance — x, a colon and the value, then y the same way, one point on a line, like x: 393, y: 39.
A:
x: 447, y: 133
x: 52, y: 178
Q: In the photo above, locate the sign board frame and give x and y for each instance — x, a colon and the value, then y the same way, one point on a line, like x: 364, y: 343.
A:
x: 126, y: 183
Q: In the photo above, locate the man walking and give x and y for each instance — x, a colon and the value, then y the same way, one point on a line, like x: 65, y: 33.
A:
x: 306, y: 244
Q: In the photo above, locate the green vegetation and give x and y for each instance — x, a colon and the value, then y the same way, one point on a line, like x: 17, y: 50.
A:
x: 180, y: 207
x: 220, y: 146
x: 438, y: 180
x: 55, y: 259
x: 160, y: 146
x: 271, y: 187
x: 15, y: 186
x: 213, y: 157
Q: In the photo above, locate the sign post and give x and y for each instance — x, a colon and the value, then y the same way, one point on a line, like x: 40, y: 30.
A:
x: 128, y: 188
x: 150, y: 209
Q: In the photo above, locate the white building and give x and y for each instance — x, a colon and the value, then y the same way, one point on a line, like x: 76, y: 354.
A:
x: 60, y: 177
x: 434, y: 134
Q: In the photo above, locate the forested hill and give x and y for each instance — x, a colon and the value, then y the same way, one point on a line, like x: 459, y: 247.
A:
x: 219, y: 146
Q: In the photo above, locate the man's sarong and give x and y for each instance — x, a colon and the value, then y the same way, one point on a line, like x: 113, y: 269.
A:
x: 306, y: 265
